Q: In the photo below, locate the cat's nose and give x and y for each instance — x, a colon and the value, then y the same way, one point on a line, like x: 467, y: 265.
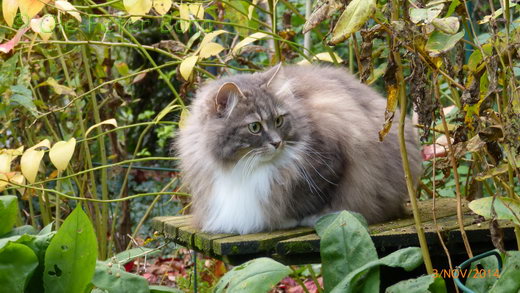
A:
x: 276, y: 143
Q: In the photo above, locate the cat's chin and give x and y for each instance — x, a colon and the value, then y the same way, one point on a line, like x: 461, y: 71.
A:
x: 271, y: 155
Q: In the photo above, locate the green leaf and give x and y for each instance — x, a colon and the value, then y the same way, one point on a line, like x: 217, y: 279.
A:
x: 449, y: 25
x: 25, y: 229
x: 453, y: 6
x: 506, y: 208
x: 8, y: 213
x: 113, y: 280
x: 17, y: 264
x: 509, y: 280
x: 352, y: 19
x: 425, y: 15
x: 258, y: 275
x: 440, y: 42
x: 406, y: 258
x: 428, y: 283
x: 482, y: 283
x: 131, y: 254
x: 38, y: 244
x: 22, y: 96
x: 8, y: 72
x: 345, y: 245
x: 70, y: 259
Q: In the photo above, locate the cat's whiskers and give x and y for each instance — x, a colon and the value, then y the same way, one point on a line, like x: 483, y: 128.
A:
x: 318, y: 156
x: 247, y: 162
x: 294, y: 152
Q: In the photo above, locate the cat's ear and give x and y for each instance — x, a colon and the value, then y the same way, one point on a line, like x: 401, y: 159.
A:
x: 227, y: 96
x: 274, y: 74
x: 278, y: 82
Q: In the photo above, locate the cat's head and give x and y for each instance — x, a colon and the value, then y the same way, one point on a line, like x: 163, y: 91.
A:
x: 254, y: 117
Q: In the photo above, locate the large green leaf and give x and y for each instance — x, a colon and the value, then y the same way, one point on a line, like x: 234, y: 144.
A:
x: 38, y: 243
x: 113, y: 280
x: 8, y: 213
x: 509, y: 280
x: 506, y: 208
x: 17, y: 264
x: 345, y: 245
x: 440, y: 42
x: 258, y: 275
x: 406, y: 258
x: 482, y: 283
x: 70, y: 260
x: 423, y: 284
x: 352, y: 19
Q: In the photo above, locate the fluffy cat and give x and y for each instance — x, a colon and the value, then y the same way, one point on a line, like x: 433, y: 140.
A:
x: 277, y: 149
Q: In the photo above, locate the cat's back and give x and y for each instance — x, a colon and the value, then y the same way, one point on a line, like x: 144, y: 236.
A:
x: 336, y: 99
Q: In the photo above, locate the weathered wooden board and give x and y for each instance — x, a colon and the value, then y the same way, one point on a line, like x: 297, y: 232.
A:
x: 303, y: 244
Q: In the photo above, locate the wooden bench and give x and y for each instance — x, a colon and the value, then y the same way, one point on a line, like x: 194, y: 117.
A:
x: 302, y: 245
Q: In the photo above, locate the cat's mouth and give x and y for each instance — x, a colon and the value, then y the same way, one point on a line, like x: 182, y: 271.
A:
x: 271, y: 153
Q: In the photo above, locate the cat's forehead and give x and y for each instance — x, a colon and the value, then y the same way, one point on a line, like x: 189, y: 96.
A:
x: 261, y: 102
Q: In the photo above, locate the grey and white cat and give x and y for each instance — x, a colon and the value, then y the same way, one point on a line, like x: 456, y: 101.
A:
x: 279, y: 148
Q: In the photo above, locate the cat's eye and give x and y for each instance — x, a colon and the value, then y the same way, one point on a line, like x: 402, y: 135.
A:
x: 254, y: 127
x: 279, y: 121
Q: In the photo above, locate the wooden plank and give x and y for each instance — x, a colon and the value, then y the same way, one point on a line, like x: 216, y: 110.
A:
x: 158, y: 223
x: 407, y: 236
x: 255, y: 243
x: 395, y: 237
x: 480, y: 232
x: 301, y: 240
x: 299, y: 245
x: 171, y: 226
x: 185, y: 234
x: 444, y: 207
x: 204, y: 241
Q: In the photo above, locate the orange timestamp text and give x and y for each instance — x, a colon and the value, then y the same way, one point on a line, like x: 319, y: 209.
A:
x: 475, y: 273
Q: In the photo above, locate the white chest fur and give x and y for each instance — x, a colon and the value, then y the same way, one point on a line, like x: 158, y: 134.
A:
x: 236, y: 200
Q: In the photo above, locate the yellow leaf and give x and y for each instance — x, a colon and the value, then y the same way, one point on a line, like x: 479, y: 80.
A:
x: 391, y: 106
x: 43, y: 26
x: 137, y: 7
x: 248, y: 40
x: 112, y: 122
x: 7, y: 156
x: 251, y: 9
x: 352, y: 19
x: 58, y: 88
x: 197, y: 10
x: 31, y: 159
x: 68, y: 8
x: 187, y: 65
x: 184, y: 11
x: 325, y: 56
x: 29, y: 8
x: 3, y: 181
x: 184, y: 116
x: 61, y: 153
x: 18, y: 179
x: 208, y: 38
x: 162, y: 6
x: 9, y: 9
x: 210, y: 49
x: 165, y: 111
